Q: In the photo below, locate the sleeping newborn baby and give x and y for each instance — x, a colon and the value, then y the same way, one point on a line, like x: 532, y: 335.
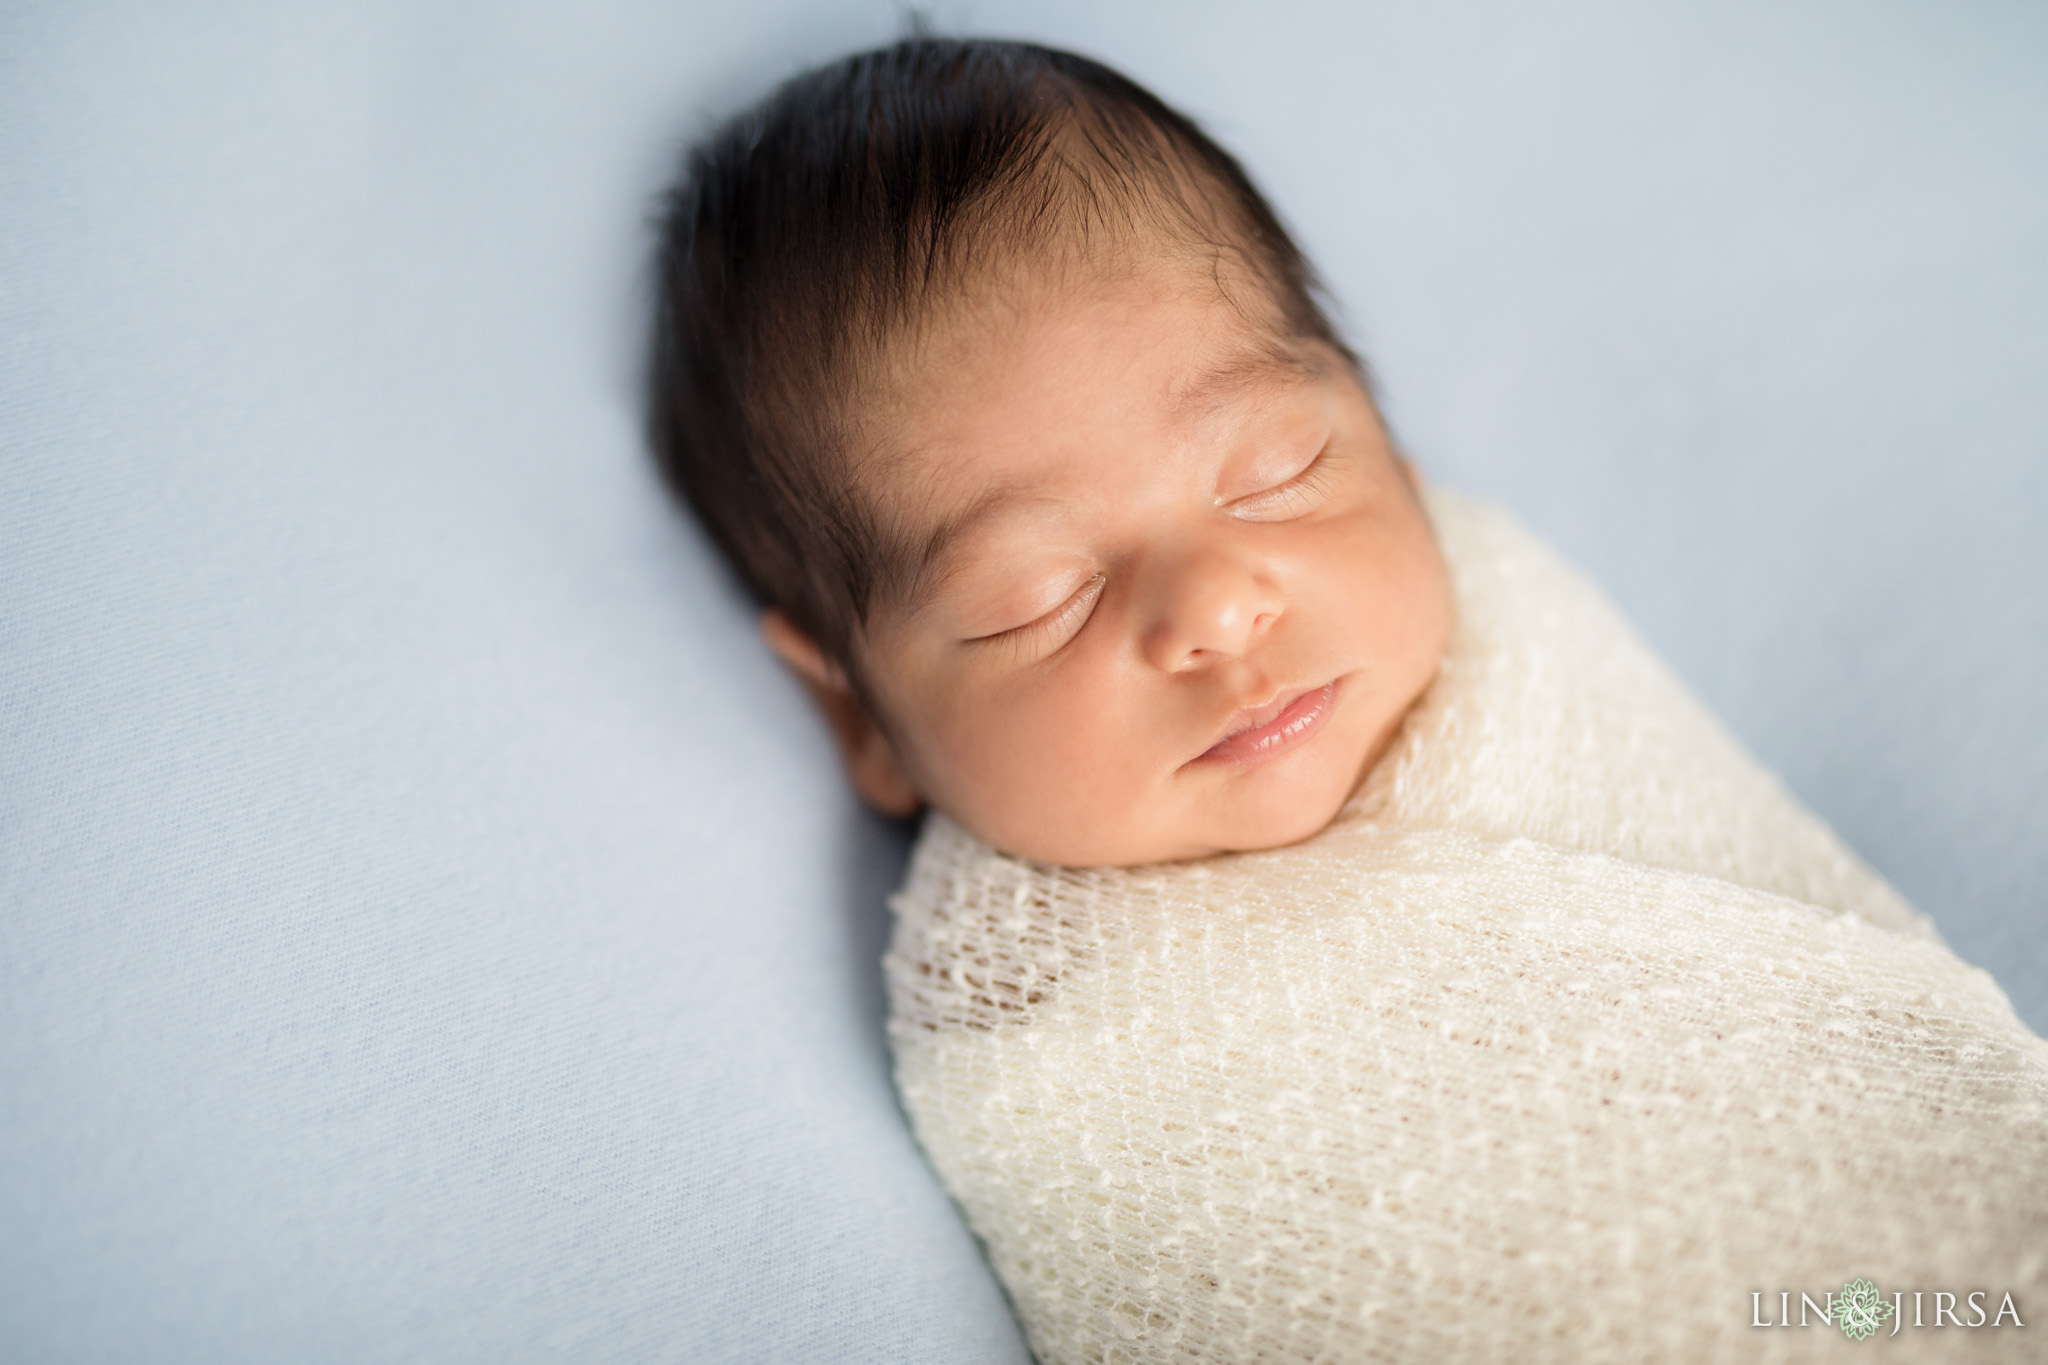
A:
x: 1333, y: 935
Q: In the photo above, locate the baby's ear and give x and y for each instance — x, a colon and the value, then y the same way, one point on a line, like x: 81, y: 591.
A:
x: 799, y: 651
x: 871, y: 760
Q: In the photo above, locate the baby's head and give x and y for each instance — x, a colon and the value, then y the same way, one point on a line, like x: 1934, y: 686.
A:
x: 1007, y: 395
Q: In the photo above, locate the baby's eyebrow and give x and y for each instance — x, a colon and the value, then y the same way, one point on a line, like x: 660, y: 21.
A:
x: 924, y: 578
x: 1266, y: 361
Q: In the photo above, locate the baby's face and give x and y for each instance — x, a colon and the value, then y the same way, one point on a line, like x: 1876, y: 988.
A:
x: 1180, y: 591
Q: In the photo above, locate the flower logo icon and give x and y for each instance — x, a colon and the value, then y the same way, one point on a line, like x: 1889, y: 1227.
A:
x: 1859, y: 1309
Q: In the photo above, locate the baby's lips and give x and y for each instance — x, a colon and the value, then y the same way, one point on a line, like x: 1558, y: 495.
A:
x: 1295, y: 720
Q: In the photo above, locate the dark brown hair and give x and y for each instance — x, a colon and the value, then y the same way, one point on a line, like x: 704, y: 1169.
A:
x: 809, y: 232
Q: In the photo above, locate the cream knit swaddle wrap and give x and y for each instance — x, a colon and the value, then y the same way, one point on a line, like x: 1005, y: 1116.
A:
x: 1572, y: 1032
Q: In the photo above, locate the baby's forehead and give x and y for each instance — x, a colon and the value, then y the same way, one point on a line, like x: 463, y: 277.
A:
x: 1177, y: 333
x: 1072, y: 379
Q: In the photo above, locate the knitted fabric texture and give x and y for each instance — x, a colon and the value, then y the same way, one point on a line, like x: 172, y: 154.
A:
x: 1572, y: 1033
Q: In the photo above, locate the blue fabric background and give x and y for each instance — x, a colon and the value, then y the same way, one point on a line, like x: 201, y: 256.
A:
x: 430, y: 928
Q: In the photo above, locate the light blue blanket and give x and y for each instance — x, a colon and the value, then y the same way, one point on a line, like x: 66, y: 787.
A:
x: 431, y: 928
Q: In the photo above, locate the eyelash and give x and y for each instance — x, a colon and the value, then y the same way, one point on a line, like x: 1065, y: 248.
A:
x: 1081, y: 603
x: 1312, y: 479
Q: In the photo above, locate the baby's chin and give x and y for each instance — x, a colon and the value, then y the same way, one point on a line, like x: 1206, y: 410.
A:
x: 1229, y: 817
x: 1184, y: 841
x: 1254, y: 826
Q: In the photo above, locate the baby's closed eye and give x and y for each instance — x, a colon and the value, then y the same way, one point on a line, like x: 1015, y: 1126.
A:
x: 1294, y: 495
x: 1047, y: 632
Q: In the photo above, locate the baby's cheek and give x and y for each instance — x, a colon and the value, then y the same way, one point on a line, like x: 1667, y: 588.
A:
x: 1058, y: 773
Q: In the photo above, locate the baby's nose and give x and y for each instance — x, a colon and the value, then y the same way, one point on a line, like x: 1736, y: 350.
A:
x: 1210, y: 607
